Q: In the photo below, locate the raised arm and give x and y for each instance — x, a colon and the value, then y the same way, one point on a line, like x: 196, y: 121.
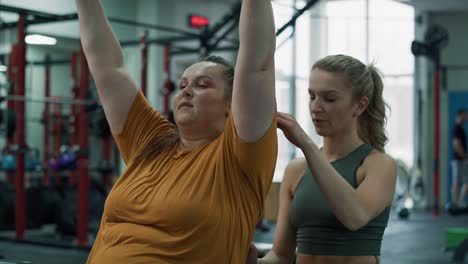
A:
x: 115, y: 87
x: 253, y: 100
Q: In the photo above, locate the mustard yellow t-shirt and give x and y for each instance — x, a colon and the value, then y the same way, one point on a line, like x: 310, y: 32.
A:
x: 197, y: 206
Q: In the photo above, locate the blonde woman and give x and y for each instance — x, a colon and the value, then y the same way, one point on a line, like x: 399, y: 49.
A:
x: 335, y: 202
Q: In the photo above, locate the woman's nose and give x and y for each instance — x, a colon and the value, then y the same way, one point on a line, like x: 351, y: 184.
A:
x: 187, y: 92
x: 315, y: 106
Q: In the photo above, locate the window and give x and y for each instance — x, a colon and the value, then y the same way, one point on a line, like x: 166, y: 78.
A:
x: 384, y: 37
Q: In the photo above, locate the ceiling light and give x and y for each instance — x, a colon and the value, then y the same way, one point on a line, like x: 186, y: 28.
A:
x: 40, y: 40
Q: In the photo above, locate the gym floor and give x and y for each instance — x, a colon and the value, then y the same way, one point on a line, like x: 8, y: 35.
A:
x: 417, y: 240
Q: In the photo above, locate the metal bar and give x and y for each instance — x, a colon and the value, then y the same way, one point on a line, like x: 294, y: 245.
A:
x: 58, y: 36
x: 40, y: 20
x: 224, y: 35
x: 183, y: 51
x: 23, y: 11
x: 234, y: 14
x: 292, y: 21
x: 151, y: 26
x: 232, y: 40
x: 83, y: 160
x: 20, y: 208
x: 169, y: 40
x: 278, y: 46
x: 182, y: 48
x: 189, y: 51
x: 41, y: 99
x: 48, y: 63
x: 158, y: 41
x: 126, y: 43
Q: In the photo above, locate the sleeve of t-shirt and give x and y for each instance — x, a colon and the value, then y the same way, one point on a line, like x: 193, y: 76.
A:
x: 143, y: 126
x: 257, y: 159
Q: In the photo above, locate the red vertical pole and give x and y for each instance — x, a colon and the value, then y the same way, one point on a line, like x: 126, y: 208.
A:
x: 144, y: 61
x: 83, y: 160
x: 45, y: 117
x: 167, y: 77
x: 436, y: 138
x: 20, y: 212
x: 74, y: 116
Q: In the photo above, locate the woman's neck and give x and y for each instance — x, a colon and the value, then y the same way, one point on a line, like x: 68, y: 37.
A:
x: 190, y: 139
x: 337, y: 147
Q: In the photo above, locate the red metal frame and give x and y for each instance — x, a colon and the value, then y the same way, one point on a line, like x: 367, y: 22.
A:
x: 83, y: 159
x: 20, y: 201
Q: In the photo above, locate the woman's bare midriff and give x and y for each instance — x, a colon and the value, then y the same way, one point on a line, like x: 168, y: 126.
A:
x: 313, y: 259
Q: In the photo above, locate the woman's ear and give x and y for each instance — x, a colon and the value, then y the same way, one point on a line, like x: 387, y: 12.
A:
x: 361, y: 106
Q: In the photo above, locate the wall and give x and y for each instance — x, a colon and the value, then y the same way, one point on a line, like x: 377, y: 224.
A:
x: 457, y: 80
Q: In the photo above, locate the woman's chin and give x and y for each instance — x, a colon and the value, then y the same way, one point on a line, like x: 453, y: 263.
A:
x: 184, y: 120
x: 321, y: 132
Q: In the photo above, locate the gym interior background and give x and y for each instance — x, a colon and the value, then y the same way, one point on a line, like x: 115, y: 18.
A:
x: 420, y: 45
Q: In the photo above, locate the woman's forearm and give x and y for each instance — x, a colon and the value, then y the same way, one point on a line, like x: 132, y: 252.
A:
x: 99, y: 43
x: 257, y: 35
x: 273, y: 258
